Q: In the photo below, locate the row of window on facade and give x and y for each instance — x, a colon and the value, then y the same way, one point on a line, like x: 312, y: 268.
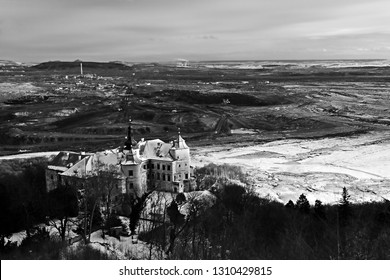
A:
x: 159, y: 166
x: 158, y: 176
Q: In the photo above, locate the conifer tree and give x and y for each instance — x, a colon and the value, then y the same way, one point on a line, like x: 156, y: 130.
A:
x: 319, y: 209
x: 290, y: 204
x: 344, y: 214
x: 303, y: 204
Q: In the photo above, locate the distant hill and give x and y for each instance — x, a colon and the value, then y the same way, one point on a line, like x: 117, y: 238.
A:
x: 9, y: 63
x: 60, y: 65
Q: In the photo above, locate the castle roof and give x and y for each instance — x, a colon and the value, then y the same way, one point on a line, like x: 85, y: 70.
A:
x: 65, y: 160
x: 155, y: 149
x: 81, y: 164
x: 179, y: 143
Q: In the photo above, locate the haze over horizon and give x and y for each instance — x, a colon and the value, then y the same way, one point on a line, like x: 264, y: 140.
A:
x: 155, y: 30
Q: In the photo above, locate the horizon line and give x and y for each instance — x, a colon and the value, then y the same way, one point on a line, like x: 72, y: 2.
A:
x: 199, y: 61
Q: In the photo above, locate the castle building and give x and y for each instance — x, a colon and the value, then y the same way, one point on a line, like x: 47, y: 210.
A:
x: 137, y: 166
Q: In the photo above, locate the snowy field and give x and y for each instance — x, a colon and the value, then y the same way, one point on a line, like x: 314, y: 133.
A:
x: 282, y: 170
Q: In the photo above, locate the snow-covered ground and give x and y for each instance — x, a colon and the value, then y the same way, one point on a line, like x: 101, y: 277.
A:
x: 29, y: 155
x: 18, y: 237
x: 125, y: 248
x: 284, y: 169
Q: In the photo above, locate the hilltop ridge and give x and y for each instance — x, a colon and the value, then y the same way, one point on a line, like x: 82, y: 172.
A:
x: 61, y: 65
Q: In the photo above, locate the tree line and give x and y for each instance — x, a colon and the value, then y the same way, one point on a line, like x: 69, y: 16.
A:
x: 242, y: 225
x: 236, y: 224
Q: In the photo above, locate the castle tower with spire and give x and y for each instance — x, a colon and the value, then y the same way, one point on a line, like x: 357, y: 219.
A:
x: 133, y: 166
x: 130, y: 142
x: 180, y: 153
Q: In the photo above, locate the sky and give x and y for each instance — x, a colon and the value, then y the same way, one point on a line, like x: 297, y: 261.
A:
x: 165, y: 30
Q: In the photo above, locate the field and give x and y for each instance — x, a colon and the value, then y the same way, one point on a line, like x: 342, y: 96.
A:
x: 294, y: 129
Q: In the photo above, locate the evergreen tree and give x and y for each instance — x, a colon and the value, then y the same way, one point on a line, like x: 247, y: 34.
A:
x: 344, y: 214
x: 290, y: 204
x: 344, y: 208
x: 303, y: 204
x: 319, y: 209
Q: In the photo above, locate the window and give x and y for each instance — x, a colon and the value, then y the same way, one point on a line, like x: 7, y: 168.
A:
x: 144, y: 166
x: 158, y: 166
x: 163, y: 177
x: 152, y: 175
x: 152, y: 165
x: 130, y: 173
x: 169, y: 178
x: 179, y: 165
x: 131, y: 186
x: 158, y: 176
x: 52, y: 177
x: 186, y: 176
x: 168, y: 167
x: 163, y: 167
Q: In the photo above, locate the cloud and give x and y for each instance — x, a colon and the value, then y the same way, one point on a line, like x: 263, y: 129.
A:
x: 157, y: 30
x: 209, y: 37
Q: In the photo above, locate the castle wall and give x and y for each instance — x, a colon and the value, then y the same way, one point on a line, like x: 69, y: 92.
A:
x: 181, y: 167
x: 161, y: 174
x: 52, y: 179
x: 182, y: 171
x: 135, y: 178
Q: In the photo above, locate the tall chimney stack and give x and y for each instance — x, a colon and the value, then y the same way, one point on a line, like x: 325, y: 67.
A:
x: 81, y: 68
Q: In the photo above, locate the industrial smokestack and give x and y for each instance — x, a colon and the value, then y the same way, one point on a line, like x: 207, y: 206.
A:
x: 81, y: 68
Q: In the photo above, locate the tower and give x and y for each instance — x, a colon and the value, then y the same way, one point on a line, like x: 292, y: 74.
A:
x: 130, y: 142
x: 180, y: 153
x: 132, y: 165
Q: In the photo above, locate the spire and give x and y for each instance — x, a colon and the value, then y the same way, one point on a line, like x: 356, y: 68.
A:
x: 130, y: 142
x: 180, y: 143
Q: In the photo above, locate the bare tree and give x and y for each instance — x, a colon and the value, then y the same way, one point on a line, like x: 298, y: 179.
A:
x: 153, y: 222
x: 63, y: 205
x: 99, y: 196
x: 180, y: 222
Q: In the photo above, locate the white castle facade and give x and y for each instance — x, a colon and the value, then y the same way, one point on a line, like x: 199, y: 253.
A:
x: 138, y: 166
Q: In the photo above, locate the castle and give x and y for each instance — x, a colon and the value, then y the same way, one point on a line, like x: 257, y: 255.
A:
x: 138, y: 166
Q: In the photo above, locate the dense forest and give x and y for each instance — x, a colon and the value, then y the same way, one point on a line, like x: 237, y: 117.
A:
x: 238, y: 224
